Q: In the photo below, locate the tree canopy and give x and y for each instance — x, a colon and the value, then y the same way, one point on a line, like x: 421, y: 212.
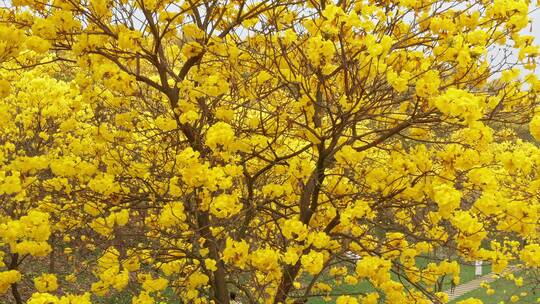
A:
x: 176, y: 151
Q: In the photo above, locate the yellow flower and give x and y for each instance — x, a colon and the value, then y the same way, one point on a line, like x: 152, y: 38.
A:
x: 46, y: 283
x: 143, y: 298
x: 235, y: 253
x: 534, y: 126
x: 37, y: 44
x: 192, y: 31
x: 210, y: 264
x: 165, y: 123
x: 294, y: 229
x: 346, y: 300
x: 41, y: 298
x: 128, y: 40
x: 447, y: 198
x: 313, y: 262
x: 374, y: 268
x: 172, y: 214
x: 197, y: 280
x: 531, y: 255
x: 7, y: 278
x: 428, y: 85
x: 192, y: 49
x: 225, y: 205
x: 150, y: 284
x: 471, y: 301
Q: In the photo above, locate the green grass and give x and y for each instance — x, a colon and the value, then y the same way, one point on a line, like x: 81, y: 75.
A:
x: 466, y: 275
x: 125, y: 297
x: 361, y: 287
x: 504, y: 290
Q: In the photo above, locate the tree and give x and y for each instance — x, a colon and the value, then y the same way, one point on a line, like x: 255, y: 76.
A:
x: 190, y: 149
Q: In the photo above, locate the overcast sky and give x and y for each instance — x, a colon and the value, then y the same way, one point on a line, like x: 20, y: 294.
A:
x: 535, y: 17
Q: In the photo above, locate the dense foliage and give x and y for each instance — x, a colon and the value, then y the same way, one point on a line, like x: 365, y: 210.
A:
x: 180, y: 150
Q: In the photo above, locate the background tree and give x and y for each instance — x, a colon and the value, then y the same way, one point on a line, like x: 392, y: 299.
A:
x: 202, y: 147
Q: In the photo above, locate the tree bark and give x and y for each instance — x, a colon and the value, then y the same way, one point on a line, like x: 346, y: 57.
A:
x: 14, y: 289
x: 219, y: 283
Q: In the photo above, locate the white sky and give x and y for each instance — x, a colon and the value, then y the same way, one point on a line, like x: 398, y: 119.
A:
x: 535, y: 17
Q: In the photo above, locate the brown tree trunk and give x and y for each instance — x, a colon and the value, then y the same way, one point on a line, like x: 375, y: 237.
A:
x: 286, y: 283
x: 219, y: 283
x: 14, y: 289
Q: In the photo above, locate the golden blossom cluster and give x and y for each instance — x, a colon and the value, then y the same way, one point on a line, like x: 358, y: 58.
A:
x: 165, y: 151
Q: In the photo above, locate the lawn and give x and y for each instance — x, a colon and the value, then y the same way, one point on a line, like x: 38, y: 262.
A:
x: 466, y: 275
x: 504, y: 290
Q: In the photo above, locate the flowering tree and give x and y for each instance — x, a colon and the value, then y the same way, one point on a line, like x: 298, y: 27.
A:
x: 184, y: 150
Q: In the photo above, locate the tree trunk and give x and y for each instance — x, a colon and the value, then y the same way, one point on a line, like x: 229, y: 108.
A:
x: 219, y: 284
x: 14, y: 289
